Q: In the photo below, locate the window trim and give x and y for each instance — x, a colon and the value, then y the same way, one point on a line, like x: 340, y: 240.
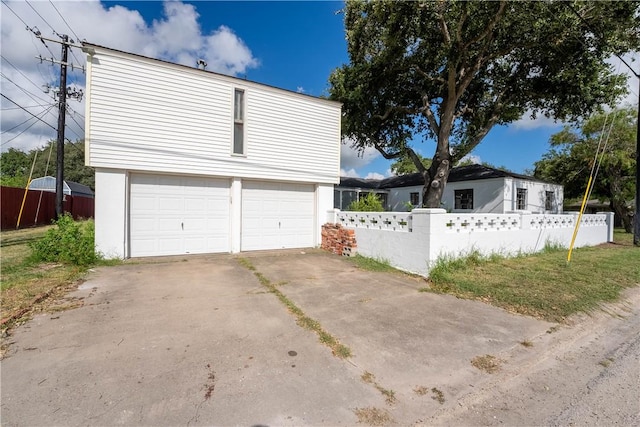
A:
x: 458, y: 197
x: 239, y: 121
x: 549, y: 200
x: 521, y: 191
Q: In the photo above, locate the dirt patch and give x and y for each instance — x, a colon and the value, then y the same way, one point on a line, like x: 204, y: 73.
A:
x: 487, y: 363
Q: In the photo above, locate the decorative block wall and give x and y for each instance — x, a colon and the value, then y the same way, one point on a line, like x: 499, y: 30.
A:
x: 339, y: 240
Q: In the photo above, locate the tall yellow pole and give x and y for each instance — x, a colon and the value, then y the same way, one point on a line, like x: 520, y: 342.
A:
x: 577, y: 226
x: 26, y: 190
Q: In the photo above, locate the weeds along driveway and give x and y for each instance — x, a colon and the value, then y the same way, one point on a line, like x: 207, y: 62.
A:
x: 203, y: 341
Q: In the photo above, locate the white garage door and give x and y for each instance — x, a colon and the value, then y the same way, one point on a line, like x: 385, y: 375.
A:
x: 277, y: 215
x: 173, y: 215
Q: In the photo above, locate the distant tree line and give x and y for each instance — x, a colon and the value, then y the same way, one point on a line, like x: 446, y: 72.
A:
x: 15, y: 165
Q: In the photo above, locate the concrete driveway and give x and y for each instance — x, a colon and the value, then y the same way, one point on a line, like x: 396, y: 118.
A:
x: 200, y: 341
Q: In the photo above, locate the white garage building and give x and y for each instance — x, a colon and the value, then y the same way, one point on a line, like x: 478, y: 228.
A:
x: 189, y: 161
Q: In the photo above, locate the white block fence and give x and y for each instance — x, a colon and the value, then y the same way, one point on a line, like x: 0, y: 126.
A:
x: 413, y: 241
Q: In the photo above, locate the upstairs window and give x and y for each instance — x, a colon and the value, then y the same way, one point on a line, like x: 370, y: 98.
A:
x: 521, y: 199
x: 464, y: 199
x: 238, y: 121
x: 549, y: 200
x: 414, y: 198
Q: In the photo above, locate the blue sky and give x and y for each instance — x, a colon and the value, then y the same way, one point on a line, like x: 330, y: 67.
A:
x: 292, y: 45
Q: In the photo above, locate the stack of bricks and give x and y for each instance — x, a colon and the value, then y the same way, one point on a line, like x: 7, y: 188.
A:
x: 339, y: 240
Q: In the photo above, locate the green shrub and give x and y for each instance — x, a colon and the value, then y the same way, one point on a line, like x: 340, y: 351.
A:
x: 369, y: 203
x: 69, y: 242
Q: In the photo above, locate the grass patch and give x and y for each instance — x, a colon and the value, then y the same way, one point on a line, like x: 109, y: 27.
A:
x: 389, y: 395
x: 438, y: 396
x: 543, y: 285
x: 30, y: 281
x: 304, y: 321
x: 373, y: 416
x: 487, y: 363
x: 420, y: 390
x: 371, y: 264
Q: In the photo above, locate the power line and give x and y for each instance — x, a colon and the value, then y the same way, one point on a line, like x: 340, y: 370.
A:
x: 30, y: 118
x: 30, y: 106
x: 600, y: 38
x: 22, y: 108
x: 38, y: 13
x: 29, y: 94
x: 17, y: 16
x: 18, y: 70
x: 65, y: 21
x: 27, y: 128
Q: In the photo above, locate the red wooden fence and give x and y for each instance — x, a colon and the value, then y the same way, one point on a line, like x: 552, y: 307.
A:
x: 11, y: 199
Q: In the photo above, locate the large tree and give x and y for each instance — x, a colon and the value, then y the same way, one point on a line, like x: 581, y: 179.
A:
x: 572, y: 157
x: 450, y: 71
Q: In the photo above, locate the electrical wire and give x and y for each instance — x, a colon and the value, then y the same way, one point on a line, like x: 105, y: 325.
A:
x: 29, y: 112
x: 65, y: 21
x: 19, y: 71
x: 30, y: 118
x: 29, y: 94
x: 17, y: 16
x: 25, y: 129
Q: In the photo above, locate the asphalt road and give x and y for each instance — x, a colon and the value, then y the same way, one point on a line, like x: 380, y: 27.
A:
x: 587, y: 373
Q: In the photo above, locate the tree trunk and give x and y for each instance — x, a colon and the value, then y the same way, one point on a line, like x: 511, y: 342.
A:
x: 435, y: 180
x: 621, y: 210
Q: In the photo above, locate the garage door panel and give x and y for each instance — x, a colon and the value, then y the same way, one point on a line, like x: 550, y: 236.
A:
x: 277, y: 215
x: 173, y: 215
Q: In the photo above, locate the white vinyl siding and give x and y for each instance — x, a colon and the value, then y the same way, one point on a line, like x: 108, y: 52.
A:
x: 149, y: 115
x: 277, y: 215
x: 173, y: 215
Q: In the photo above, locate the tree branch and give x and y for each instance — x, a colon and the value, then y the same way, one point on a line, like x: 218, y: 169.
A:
x: 416, y: 160
x: 463, y: 19
x: 388, y: 156
x: 490, y: 26
x: 431, y: 118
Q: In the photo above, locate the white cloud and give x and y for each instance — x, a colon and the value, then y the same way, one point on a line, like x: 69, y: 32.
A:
x: 351, y: 173
x: 351, y: 158
x: 374, y: 175
x: 476, y: 160
x: 176, y: 37
x: 528, y: 123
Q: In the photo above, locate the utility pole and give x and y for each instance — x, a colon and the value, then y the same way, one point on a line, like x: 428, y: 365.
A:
x: 62, y: 93
x: 636, y: 215
x: 62, y: 113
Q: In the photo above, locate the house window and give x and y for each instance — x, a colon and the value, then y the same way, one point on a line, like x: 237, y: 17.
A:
x: 549, y: 200
x: 348, y: 197
x: 414, y: 198
x: 336, y: 199
x: 464, y: 199
x: 238, y: 122
x: 521, y: 199
x: 383, y: 199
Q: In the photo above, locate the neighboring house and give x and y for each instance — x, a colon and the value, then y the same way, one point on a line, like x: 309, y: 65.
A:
x: 474, y: 188
x: 191, y: 161
x: 70, y: 188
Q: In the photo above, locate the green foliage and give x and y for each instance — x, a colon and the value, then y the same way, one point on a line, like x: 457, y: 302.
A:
x: 405, y: 165
x: 68, y: 242
x: 15, y: 165
x: 573, y: 151
x: 542, y: 284
x: 369, y: 203
x: 371, y: 264
x: 450, y: 71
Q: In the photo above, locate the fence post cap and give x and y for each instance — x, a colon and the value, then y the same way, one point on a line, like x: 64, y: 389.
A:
x: 428, y: 211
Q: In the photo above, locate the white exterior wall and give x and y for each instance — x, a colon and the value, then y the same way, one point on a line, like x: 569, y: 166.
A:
x: 536, y: 195
x: 149, y: 115
x: 398, y: 197
x: 432, y: 233
x: 496, y: 195
x: 111, y: 207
